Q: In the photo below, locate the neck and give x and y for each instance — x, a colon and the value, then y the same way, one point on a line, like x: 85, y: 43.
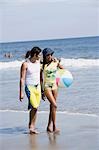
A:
x: 48, y: 61
x: 32, y: 60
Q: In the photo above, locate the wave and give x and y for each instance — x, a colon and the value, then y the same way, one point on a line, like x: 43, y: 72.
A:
x: 65, y: 62
x: 80, y: 62
x: 46, y: 112
x: 12, y: 64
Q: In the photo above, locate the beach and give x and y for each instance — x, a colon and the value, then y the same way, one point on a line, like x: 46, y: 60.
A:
x: 78, y: 105
x: 78, y: 132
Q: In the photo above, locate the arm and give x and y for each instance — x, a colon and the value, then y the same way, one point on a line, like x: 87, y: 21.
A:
x: 41, y: 75
x: 60, y: 66
x: 42, y: 84
x: 22, y: 79
x: 41, y: 80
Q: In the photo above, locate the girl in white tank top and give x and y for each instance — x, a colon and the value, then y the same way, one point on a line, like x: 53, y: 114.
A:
x: 30, y: 77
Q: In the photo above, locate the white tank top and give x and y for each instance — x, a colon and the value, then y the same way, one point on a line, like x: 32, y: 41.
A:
x: 32, y: 73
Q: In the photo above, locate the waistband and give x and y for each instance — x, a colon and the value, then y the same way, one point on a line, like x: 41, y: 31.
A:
x: 36, y: 85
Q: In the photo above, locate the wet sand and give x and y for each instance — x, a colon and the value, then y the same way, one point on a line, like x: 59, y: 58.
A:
x: 78, y: 132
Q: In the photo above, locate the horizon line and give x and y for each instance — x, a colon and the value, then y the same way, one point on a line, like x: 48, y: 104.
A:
x: 48, y: 39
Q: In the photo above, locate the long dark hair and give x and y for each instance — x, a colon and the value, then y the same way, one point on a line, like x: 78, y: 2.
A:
x: 44, y: 61
x: 34, y: 50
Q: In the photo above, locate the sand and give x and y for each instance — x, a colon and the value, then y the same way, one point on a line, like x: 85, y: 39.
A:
x: 78, y: 132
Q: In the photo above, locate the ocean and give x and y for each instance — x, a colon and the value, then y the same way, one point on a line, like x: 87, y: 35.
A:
x: 78, y: 55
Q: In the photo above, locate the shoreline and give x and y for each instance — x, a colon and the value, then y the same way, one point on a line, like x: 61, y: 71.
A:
x: 46, y: 112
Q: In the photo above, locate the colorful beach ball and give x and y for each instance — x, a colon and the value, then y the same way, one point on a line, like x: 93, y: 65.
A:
x: 64, y: 78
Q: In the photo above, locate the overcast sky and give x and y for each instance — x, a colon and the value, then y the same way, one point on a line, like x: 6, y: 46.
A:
x: 24, y: 20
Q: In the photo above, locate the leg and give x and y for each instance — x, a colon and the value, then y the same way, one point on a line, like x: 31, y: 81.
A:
x: 54, y: 92
x: 51, y: 99
x: 34, y: 100
x: 49, y: 95
x: 52, y: 115
x: 49, y: 120
x: 32, y: 120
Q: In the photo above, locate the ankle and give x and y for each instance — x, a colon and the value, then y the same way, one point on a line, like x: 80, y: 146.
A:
x: 54, y: 127
x: 31, y: 127
x: 49, y: 129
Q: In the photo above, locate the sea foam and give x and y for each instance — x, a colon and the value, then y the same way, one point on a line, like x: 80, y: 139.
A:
x: 79, y: 62
x: 46, y: 112
x: 65, y: 62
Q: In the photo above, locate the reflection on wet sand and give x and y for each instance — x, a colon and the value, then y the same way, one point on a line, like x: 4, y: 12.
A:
x: 52, y: 138
x: 53, y: 141
x: 33, y: 141
x: 49, y: 141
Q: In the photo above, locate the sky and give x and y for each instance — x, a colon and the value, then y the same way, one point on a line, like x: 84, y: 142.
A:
x: 27, y: 20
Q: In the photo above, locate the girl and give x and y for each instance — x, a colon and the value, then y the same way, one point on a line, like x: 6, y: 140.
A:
x: 30, y: 77
x: 49, y: 69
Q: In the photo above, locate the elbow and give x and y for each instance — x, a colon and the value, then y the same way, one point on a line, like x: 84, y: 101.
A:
x: 22, y: 81
x: 61, y: 67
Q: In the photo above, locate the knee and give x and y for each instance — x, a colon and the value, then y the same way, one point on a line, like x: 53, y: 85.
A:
x: 34, y: 109
x: 53, y: 108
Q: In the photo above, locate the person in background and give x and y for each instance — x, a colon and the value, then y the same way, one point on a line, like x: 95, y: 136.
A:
x: 30, y: 78
x: 48, y: 73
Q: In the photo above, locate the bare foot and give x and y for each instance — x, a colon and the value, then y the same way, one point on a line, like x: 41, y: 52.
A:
x: 33, y: 131
x: 56, y: 131
x: 49, y: 130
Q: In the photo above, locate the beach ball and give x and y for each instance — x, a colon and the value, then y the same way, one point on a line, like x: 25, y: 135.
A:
x: 64, y: 78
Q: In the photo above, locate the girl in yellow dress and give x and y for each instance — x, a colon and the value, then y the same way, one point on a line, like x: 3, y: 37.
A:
x: 49, y: 69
